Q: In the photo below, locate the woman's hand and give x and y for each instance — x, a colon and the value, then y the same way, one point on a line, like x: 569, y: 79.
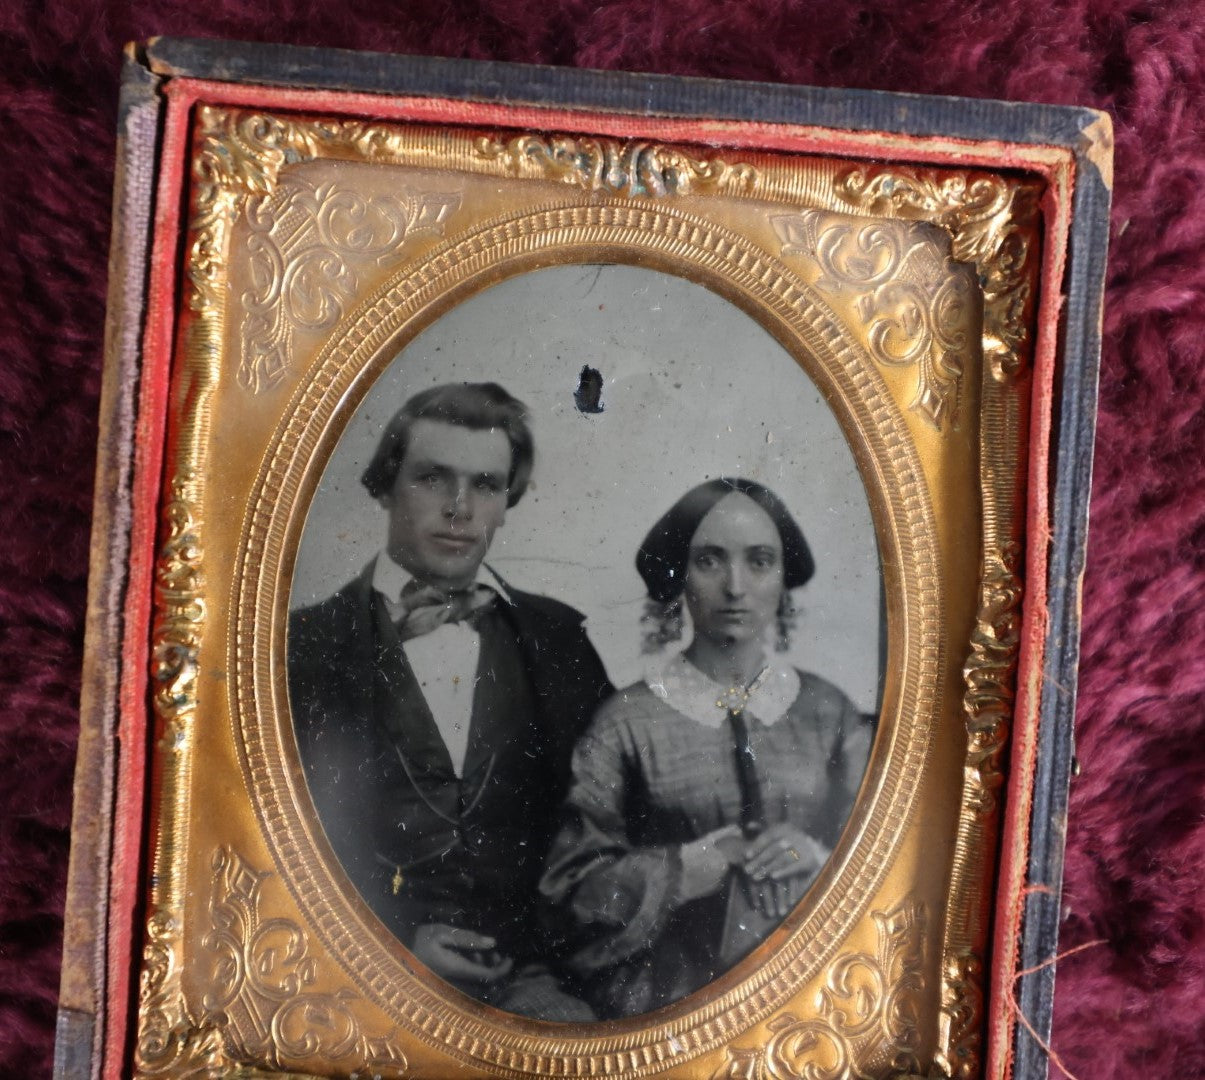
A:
x: 706, y: 862
x: 778, y: 866
x: 783, y: 851
x: 461, y: 955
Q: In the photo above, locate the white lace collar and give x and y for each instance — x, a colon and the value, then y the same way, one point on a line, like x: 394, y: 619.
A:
x: 685, y: 688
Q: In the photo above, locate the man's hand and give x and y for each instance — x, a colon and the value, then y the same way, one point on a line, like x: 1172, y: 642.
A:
x: 461, y: 955
x: 777, y: 867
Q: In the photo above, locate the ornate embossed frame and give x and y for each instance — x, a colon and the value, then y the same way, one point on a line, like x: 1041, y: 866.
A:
x: 933, y: 269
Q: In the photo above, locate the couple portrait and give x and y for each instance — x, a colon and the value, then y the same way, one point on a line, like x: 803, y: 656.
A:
x: 580, y: 767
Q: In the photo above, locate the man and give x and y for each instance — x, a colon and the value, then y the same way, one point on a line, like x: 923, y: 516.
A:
x: 436, y: 707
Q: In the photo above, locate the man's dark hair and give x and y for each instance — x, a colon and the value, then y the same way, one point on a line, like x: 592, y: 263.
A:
x: 476, y: 406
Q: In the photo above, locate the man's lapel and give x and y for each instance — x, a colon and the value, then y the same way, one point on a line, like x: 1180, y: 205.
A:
x: 358, y: 646
x: 537, y: 637
x: 383, y: 688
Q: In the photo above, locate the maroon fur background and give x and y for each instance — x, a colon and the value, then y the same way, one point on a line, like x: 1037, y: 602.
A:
x: 1133, y: 1006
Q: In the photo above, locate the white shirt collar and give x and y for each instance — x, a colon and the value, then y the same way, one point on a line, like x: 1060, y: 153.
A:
x: 686, y: 689
x: 389, y: 579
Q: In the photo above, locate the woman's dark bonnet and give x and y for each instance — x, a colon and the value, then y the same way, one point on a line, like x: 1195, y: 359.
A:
x: 662, y: 558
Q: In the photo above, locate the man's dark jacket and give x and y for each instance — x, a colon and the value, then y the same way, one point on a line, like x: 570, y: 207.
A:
x: 419, y: 844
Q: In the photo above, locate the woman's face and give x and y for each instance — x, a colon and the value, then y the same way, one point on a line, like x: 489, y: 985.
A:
x: 734, y: 575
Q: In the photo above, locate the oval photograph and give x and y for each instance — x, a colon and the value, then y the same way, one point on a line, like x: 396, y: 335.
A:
x: 586, y: 642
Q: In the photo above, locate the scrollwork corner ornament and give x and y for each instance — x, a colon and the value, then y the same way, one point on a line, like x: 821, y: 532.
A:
x: 915, y: 302
x: 866, y: 1024
x: 169, y: 1042
x: 261, y: 1008
x: 607, y: 165
x: 308, y: 250
x: 305, y: 241
x: 993, y: 225
x: 243, y: 152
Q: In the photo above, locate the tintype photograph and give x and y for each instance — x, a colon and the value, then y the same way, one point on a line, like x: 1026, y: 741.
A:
x: 579, y: 614
x: 586, y: 642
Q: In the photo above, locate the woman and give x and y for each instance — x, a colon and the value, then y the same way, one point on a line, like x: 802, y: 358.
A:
x: 706, y: 799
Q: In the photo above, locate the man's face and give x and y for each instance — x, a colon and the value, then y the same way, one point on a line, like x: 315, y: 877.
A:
x: 448, y: 499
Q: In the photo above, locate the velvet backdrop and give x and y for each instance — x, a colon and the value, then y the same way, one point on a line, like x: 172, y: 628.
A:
x: 1130, y: 1006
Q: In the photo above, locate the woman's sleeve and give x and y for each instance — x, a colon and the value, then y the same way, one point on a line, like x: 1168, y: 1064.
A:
x: 617, y: 895
x: 852, y: 749
x: 844, y: 736
x: 849, y: 751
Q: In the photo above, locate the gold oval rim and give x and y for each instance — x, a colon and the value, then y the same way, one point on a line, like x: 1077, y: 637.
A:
x: 356, y: 354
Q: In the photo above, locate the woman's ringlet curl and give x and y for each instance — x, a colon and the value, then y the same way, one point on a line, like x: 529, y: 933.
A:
x: 664, y: 555
x: 475, y: 406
